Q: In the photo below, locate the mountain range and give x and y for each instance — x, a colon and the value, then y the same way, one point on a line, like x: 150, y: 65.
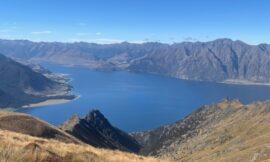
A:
x: 220, y: 60
x: 223, y: 131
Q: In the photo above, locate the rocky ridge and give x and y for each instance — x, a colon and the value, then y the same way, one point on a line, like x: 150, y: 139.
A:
x: 96, y: 130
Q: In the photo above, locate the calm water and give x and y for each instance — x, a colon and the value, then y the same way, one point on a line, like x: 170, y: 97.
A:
x: 135, y: 102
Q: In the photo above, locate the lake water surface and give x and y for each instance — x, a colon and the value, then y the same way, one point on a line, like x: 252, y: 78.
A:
x: 135, y: 102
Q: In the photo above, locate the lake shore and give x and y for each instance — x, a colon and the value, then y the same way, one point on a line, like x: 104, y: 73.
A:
x: 39, y: 104
x: 50, y: 102
x: 47, y: 103
x: 7, y: 109
x: 65, y: 90
x: 243, y: 82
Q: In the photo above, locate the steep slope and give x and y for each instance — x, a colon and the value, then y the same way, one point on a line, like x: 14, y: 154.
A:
x: 26, y: 124
x: 226, y: 131
x: 22, y: 76
x: 20, y: 85
x: 16, y: 147
x: 219, y: 60
x: 96, y: 130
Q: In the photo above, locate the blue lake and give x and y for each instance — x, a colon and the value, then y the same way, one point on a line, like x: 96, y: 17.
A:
x: 135, y: 102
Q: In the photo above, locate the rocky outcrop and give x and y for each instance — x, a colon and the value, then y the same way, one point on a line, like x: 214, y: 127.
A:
x: 95, y: 129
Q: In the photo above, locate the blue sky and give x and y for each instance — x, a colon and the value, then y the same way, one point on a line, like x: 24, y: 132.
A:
x: 111, y: 21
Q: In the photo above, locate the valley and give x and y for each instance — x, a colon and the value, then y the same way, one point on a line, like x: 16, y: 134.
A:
x: 152, y: 100
x: 208, y: 133
x: 134, y: 81
x: 212, y: 132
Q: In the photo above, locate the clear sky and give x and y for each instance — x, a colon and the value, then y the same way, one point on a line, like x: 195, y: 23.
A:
x: 110, y: 21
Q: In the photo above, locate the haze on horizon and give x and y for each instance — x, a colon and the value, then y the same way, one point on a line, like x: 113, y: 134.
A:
x: 104, y: 21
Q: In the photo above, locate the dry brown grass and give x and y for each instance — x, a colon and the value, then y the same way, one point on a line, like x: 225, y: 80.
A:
x: 16, y: 147
x: 26, y: 124
x: 243, y: 136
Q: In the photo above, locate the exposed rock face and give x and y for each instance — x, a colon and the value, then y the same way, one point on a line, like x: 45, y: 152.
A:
x: 96, y: 130
x: 226, y: 131
x: 20, y: 85
x: 218, y: 60
x: 211, y: 61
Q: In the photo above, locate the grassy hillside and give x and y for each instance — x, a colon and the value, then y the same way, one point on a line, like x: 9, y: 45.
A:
x: 241, y: 136
x: 17, y: 147
x: 26, y: 124
x: 223, y: 132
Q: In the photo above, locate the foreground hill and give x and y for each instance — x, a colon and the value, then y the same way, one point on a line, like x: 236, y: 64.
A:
x: 220, y: 60
x: 26, y: 124
x: 96, y: 130
x: 16, y: 147
x: 27, y: 139
x: 226, y: 131
x: 20, y: 85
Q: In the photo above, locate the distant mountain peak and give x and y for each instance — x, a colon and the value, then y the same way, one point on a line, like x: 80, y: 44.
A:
x: 223, y: 40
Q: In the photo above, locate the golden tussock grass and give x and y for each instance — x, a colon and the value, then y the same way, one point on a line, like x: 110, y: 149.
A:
x: 16, y: 147
x: 240, y: 137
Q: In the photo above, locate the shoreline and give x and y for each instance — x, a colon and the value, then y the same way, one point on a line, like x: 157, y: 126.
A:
x: 63, y: 78
x: 50, y: 102
x: 47, y: 103
x: 228, y: 81
x: 243, y: 82
x: 7, y: 109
